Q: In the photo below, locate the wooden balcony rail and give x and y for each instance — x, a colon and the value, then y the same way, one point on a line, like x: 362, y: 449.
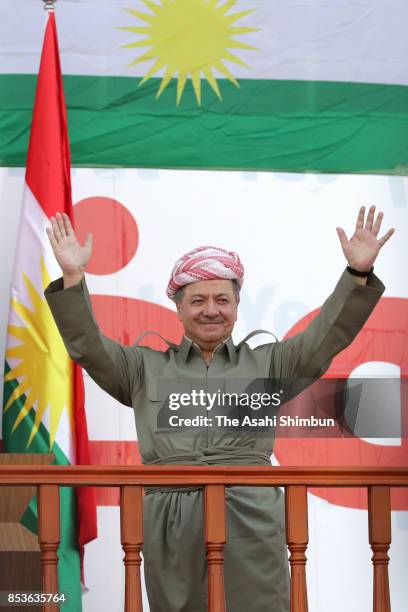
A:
x: 297, y: 539
x: 214, y: 479
x: 215, y: 539
x: 131, y: 534
x: 49, y: 537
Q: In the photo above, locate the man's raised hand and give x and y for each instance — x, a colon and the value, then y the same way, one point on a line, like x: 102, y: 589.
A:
x: 70, y: 255
x: 363, y: 247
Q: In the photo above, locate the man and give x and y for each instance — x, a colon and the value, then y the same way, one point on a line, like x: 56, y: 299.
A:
x: 205, y: 286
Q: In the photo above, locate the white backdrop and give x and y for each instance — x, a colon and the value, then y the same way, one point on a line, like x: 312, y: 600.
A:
x: 283, y: 227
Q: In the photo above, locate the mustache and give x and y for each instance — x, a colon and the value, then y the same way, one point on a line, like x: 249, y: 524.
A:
x: 210, y: 320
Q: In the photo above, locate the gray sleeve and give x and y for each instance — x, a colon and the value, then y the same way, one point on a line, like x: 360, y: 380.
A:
x: 117, y: 368
x: 343, y: 314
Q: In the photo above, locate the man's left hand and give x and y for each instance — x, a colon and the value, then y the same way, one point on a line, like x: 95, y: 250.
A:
x: 363, y: 247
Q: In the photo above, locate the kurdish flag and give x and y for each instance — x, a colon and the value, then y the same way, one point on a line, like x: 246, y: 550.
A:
x: 43, y: 394
x: 320, y: 85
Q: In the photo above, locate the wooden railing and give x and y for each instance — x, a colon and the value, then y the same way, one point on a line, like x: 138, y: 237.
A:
x: 131, y: 480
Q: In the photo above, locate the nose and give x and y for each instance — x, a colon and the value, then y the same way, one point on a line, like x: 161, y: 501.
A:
x: 210, y: 309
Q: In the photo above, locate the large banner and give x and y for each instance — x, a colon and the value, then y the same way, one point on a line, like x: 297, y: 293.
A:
x: 318, y: 85
x: 283, y: 227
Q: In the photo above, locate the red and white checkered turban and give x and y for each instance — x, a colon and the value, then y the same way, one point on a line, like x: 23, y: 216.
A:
x: 205, y: 263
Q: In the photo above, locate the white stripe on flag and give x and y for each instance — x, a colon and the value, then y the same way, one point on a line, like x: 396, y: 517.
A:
x: 333, y: 40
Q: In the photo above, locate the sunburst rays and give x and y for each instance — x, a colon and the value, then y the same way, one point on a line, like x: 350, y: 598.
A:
x: 43, y: 370
x: 189, y: 39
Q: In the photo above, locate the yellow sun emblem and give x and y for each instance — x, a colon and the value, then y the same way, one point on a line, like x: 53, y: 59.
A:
x: 189, y: 39
x: 44, y: 370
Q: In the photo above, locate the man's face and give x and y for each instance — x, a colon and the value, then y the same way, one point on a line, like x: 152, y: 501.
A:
x: 208, y: 311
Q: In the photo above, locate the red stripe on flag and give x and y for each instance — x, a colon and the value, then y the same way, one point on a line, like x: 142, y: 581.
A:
x: 86, y: 496
x: 48, y: 160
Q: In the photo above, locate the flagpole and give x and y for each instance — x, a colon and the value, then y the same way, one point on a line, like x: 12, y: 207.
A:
x: 49, y: 5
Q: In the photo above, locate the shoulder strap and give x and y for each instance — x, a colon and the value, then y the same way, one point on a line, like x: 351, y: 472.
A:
x: 255, y: 333
x: 176, y: 346
x: 146, y: 333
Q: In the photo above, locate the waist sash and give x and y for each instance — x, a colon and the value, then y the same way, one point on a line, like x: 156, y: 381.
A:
x: 218, y: 455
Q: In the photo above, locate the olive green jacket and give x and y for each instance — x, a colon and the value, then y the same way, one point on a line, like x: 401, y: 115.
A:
x: 256, y: 573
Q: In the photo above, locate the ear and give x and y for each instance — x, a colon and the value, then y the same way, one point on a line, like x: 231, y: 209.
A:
x: 179, y: 311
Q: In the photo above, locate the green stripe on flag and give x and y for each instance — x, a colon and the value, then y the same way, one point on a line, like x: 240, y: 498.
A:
x: 263, y: 125
x: 69, y: 576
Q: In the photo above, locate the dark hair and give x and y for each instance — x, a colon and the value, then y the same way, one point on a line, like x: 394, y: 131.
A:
x: 180, y: 292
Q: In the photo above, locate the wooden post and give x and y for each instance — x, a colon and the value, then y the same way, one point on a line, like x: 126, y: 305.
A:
x: 49, y: 539
x: 215, y: 539
x: 131, y: 532
x: 297, y: 539
x: 379, y: 527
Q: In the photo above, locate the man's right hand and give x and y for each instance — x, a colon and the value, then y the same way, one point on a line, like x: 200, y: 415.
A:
x: 70, y: 255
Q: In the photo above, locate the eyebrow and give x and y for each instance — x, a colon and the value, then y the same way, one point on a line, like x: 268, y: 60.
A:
x: 201, y: 295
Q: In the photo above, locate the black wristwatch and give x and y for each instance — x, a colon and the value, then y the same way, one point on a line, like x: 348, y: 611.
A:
x: 360, y: 273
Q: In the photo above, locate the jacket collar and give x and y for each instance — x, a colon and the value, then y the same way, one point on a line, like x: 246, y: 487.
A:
x: 186, y: 345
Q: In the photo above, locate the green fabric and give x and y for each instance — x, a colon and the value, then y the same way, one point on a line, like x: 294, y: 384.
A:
x: 69, y: 577
x: 256, y: 570
x: 264, y: 125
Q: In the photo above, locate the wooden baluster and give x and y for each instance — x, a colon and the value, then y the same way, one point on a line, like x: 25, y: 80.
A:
x: 379, y: 526
x: 49, y: 539
x: 131, y: 531
x: 297, y: 539
x: 215, y: 538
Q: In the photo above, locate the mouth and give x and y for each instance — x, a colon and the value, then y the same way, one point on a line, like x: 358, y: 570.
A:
x: 211, y: 323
